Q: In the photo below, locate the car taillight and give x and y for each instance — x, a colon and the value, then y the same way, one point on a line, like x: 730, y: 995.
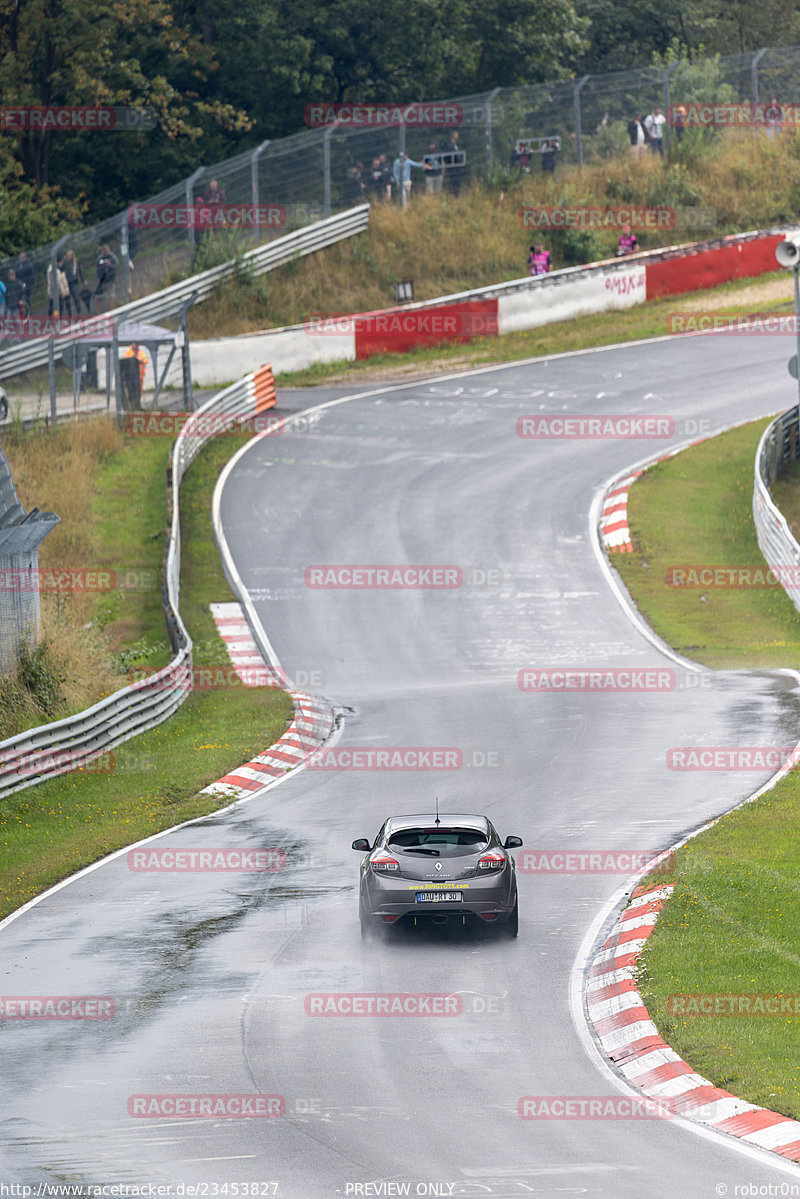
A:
x: 384, y: 864
x: 492, y: 861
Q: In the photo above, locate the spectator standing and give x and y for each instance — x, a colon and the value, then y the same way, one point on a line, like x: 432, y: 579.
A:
x: 134, y: 350
x: 654, y: 124
x: 3, y: 293
x: 356, y: 188
x: 26, y: 274
x: 520, y: 156
x: 57, y: 289
x: 434, y: 176
x: 679, y: 122
x: 214, y: 197
x: 16, y: 303
x: 549, y: 149
x: 773, y: 117
x: 539, y: 260
x: 214, y: 194
x: 377, y: 191
x: 402, y: 175
x: 387, y: 177
x: 638, y: 135
x: 75, y: 280
x: 106, y: 272
x: 628, y: 242
x: 455, y: 174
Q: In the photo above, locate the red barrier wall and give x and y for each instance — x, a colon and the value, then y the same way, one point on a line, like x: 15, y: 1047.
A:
x: 396, y: 330
x: 708, y: 268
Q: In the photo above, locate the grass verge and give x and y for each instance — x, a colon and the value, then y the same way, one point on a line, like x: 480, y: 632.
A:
x: 695, y: 509
x: 50, y: 831
x: 730, y: 927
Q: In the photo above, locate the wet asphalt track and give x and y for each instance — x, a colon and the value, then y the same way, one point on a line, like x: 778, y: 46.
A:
x: 210, y: 972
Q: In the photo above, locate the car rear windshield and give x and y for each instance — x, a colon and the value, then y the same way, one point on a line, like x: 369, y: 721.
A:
x: 447, y: 842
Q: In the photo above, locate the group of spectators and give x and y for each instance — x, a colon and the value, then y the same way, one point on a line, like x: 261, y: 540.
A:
x: 68, y: 294
x: 650, y: 131
x: 383, y: 182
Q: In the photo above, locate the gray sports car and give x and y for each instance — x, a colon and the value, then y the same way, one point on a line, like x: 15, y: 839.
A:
x: 443, y: 868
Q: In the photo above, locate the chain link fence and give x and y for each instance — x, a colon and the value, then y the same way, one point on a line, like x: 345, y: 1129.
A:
x: 313, y: 174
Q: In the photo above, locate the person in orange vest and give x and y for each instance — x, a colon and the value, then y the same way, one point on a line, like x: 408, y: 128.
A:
x: 135, y: 351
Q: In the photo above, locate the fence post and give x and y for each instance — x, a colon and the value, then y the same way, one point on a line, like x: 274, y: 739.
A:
x: 754, y: 72
x: 51, y: 375
x: 326, y: 159
x: 489, y: 147
x: 667, y: 77
x: 254, y: 180
x: 124, y: 250
x: 190, y: 182
x: 576, y: 99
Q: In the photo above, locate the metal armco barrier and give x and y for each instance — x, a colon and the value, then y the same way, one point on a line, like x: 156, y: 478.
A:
x: 779, y: 443
x: 168, y: 303
x: 57, y: 748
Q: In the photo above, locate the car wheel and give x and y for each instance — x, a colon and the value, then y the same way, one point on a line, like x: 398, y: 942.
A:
x: 512, y: 924
x: 366, y: 925
x: 3, y: 405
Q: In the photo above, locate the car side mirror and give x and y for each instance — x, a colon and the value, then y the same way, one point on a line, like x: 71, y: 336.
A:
x: 362, y: 844
x: 512, y: 843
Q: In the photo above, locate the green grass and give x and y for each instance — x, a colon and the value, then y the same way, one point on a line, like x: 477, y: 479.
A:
x: 50, y: 831
x: 730, y: 927
x: 695, y: 509
x: 129, y: 517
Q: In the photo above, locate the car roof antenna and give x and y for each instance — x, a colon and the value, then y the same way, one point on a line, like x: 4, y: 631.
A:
x: 437, y: 820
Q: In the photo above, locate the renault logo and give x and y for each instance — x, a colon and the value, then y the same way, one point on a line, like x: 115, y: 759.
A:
x: 438, y: 865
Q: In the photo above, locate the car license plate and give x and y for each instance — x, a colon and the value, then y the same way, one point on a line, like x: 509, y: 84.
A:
x: 439, y: 897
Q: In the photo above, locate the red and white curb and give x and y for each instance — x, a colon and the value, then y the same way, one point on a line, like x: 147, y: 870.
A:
x: 630, y: 1040
x: 614, y: 531
x: 311, y: 726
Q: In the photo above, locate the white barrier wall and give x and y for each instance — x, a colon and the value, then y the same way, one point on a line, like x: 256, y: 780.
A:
x: 562, y: 297
x: 290, y: 349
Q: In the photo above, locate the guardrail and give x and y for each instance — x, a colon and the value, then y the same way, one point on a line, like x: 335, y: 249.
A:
x: 53, y: 749
x: 780, y: 442
x: 162, y: 305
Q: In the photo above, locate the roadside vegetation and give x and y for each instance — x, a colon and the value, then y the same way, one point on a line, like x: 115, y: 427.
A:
x: 450, y: 243
x: 110, y: 490
x: 730, y: 925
